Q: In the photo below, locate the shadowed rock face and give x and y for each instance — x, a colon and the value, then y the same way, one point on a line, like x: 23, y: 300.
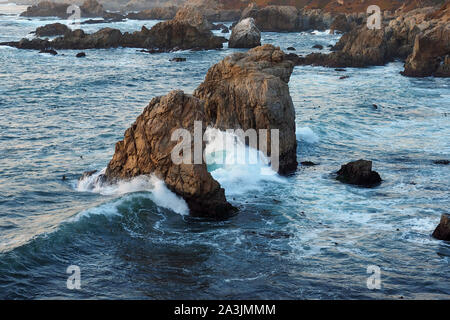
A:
x: 250, y: 91
x: 245, y: 35
x: 147, y: 146
x: 54, y: 29
x: 89, y: 8
x: 442, y: 231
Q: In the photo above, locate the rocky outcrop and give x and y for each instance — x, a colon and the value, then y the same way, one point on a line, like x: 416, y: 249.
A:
x: 245, y: 35
x: 193, y: 17
x: 244, y: 91
x: 250, y: 91
x: 431, y: 53
x: 442, y: 231
x: 91, y: 8
x: 164, y: 36
x: 50, y: 30
x: 358, y: 173
x: 421, y: 29
x: 147, y: 148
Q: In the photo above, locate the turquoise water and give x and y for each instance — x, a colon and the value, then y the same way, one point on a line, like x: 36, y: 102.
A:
x: 305, y: 236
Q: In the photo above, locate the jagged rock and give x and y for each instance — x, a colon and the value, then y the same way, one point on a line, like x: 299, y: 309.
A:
x: 245, y: 35
x: 341, y: 24
x: 359, y: 173
x: 147, y: 148
x: 429, y: 55
x: 250, y: 91
x: 442, y: 231
x: 193, y: 17
x: 50, y: 30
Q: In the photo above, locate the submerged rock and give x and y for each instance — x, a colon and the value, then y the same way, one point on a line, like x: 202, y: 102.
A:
x: 50, y: 51
x: 245, y: 35
x: 442, y: 231
x: 359, y: 173
x: 80, y: 55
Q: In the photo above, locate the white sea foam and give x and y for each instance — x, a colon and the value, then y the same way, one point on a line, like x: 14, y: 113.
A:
x: 307, y: 135
x: 158, y: 191
x: 238, y: 167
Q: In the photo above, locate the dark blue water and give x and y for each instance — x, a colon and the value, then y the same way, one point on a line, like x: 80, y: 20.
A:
x: 302, y: 237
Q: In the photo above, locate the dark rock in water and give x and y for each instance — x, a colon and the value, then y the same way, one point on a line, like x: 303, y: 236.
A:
x: 178, y: 59
x: 359, y: 173
x: 50, y: 30
x: 225, y: 30
x: 87, y: 174
x: 318, y: 46
x: 340, y: 69
x: 308, y: 163
x: 444, y: 162
x: 81, y: 55
x: 290, y: 49
x: 374, y: 106
x: 51, y: 51
x: 344, y: 77
x: 296, y: 59
x: 442, y: 231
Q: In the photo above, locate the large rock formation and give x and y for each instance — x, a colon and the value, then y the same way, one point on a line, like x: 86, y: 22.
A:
x: 250, y: 91
x: 147, y: 148
x: 182, y: 33
x: 426, y: 30
x: 442, y: 231
x: 245, y: 35
x: 244, y: 91
x: 165, y: 13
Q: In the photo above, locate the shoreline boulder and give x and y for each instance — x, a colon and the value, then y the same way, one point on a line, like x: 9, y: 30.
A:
x: 359, y: 173
x: 53, y: 29
x: 245, y: 35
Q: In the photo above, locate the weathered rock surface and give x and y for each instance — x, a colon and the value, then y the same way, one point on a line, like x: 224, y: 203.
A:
x: 245, y: 35
x: 147, y: 147
x: 442, y: 231
x: 359, y: 173
x: 50, y: 30
x: 250, y: 91
x: 420, y: 36
x: 245, y: 90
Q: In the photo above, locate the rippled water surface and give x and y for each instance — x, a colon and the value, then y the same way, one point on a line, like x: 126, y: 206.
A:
x: 305, y: 236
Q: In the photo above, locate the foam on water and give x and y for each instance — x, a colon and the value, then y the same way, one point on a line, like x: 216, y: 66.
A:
x: 159, y: 193
x: 238, y: 167
x: 307, y: 135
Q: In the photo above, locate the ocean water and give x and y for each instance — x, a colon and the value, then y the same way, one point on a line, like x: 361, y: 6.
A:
x: 305, y: 236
